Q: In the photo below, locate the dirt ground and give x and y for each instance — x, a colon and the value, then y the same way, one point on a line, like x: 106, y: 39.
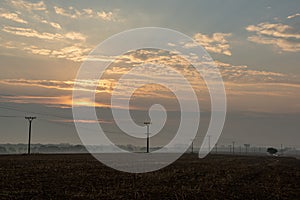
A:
x: 215, y: 177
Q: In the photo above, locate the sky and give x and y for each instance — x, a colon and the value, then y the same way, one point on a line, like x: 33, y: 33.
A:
x: 255, y: 44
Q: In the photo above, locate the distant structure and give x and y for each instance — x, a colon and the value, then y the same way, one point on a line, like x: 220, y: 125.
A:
x: 247, y: 146
x: 30, y: 119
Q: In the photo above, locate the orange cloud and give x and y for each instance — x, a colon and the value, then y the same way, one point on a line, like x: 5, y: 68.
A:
x: 52, y: 101
x: 84, y: 85
x: 239, y: 79
x: 60, y: 101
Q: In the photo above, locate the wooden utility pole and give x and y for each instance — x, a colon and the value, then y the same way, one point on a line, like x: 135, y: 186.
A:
x: 147, y: 124
x: 30, y: 119
x: 209, y: 143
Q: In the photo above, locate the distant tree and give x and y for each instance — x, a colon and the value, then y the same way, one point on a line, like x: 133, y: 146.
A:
x: 130, y: 148
x: 272, y: 150
x: 78, y: 148
x: 3, y: 150
x: 12, y: 150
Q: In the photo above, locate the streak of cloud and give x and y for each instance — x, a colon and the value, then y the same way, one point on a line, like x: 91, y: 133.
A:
x: 293, y: 16
x: 73, y: 13
x: 216, y: 43
x: 29, y: 32
x: 30, y: 6
x: 13, y: 17
x: 282, y: 36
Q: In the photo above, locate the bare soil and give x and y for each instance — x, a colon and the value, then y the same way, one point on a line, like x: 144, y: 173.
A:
x: 214, y: 177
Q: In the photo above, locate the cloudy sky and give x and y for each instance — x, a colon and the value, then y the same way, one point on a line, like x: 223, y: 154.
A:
x: 256, y: 45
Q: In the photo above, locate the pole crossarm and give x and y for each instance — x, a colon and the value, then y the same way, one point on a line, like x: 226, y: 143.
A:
x: 30, y: 118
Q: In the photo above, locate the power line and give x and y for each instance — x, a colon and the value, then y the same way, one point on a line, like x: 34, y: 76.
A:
x: 72, y: 125
x: 6, y: 116
x: 10, y: 108
x: 53, y: 116
x: 37, y: 113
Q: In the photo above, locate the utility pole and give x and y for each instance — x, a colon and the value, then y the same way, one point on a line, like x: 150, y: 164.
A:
x: 30, y: 119
x: 192, y: 146
x: 147, y: 124
x: 233, y: 147
x: 240, y: 149
x: 209, y: 143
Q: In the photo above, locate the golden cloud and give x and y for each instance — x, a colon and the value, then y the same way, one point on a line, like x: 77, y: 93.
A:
x: 86, y: 13
x: 274, y: 30
x: 13, y: 17
x: 293, y: 16
x: 40, y: 19
x: 39, y: 6
x: 216, y: 43
x: 240, y: 80
x: 84, y: 85
x: 284, y: 37
x: 282, y: 44
x: 51, y: 101
x: 28, y: 32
